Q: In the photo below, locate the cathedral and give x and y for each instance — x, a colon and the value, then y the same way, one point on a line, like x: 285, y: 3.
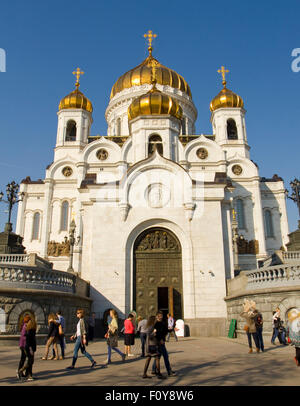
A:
x: 152, y: 214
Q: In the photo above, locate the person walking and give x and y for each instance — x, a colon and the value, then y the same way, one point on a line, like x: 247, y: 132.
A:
x: 258, y: 320
x: 81, y: 340
x: 22, y: 344
x: 52, y: 337
x: 282, y: 332
x: 161, y: 332
x: 61, y: 334
x: 129, y: 329
x: 112, y: 337
x: 142, y: 329
x: 152, y: 348
x: 30, y: 349
x: 275, y: 325
x: 250, y: 328
x: 171, y: 327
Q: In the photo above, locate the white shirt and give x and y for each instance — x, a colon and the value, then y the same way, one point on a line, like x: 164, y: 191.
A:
x: 78, y: 329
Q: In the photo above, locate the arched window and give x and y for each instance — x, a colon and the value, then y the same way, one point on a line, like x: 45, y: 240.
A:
x: 240, y: 212
x: 269, y: 224
x: 36, y: 226
x: 155, y: 141
x: 71, y: 131
x: 119, y: 126
x: 64, y: 216
x: 232, y: 133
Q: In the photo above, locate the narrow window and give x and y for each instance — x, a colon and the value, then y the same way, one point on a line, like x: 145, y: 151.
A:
x: 155, y: 141
x: 240, y: 214
x: 36, y: 226
x: 183, y: 126
x: 232, y: 133
x: 64, y: 216
x: 269, y: 224
x: 119, y: 126
x: 71, y: 131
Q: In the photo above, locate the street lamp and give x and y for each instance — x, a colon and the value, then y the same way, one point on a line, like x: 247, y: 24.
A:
x: 73, y: 242
x: 295, y: 196
x: 12, y: 192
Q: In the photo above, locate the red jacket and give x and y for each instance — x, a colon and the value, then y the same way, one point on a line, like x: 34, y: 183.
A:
x: 129, y: 327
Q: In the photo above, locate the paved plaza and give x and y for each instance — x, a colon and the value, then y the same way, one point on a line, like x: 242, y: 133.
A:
x: 198, y: 361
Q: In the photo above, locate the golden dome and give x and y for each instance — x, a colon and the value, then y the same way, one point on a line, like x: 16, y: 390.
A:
x: 76, y: 100
x: 226, y: 98
x: 154, y: 102
x: 142, y: 74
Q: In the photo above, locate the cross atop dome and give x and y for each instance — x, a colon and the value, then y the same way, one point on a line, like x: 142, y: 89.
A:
x: 149, y: 36
x: 77, y: 73
x: 223, y: 72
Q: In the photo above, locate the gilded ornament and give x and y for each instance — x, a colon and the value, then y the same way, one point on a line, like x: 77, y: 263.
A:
x: 102, y: 154
x: 67, y: 171
x: 237, y: 169
x: 202, y: 153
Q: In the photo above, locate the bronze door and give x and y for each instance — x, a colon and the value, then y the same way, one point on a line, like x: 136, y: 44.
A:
x: 157, y: 273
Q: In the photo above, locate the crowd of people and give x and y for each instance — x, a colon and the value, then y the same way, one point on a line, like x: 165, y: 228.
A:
x: 154, y: 332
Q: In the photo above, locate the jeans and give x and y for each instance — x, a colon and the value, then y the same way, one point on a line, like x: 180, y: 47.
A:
x: 254, y: 335
x: 260, y: 338
x: 79, y: 345
x: 169, y: 334
x: 163, y: 352
x: 109, y: 348
x: 275, y: 335
x: 143, y: 337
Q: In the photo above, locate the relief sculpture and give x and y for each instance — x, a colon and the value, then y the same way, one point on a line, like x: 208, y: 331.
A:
x: 56, y: 249
x: 247, y: 247
x: 158, y: 240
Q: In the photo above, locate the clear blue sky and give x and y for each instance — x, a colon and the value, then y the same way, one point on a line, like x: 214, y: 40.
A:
x: 45, y: 41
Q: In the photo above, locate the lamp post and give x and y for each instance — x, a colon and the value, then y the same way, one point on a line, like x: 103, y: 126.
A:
x: 12, y: 192
x: 73, y: 242
x: 295, y: 196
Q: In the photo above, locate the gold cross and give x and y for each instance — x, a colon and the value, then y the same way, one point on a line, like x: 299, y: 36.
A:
x: 223, y: 72
x: 77, y: 72
x: 150, y: 37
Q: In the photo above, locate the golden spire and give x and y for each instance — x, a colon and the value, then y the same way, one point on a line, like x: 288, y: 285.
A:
x: 77, y: 72
x: 223, y: 72
x: 150, y: 37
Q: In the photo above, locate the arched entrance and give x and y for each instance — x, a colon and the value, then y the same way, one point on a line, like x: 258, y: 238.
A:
x: 157, y: 273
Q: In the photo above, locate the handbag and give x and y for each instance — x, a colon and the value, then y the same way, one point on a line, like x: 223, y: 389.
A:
x: 246, y: 328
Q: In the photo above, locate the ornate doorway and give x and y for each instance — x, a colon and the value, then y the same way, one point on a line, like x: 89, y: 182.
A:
x: 157, y: 278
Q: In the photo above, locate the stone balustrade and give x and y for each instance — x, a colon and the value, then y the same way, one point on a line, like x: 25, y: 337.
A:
x: 273, y: 276
x: 291, y: 256
x: 27, y: 277
x: 25, y: 259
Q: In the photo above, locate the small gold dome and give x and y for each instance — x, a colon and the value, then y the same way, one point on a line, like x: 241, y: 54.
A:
x: 154, y: 102
x: 76, y: 100
x: 142, y: 74
x: 226, y: 98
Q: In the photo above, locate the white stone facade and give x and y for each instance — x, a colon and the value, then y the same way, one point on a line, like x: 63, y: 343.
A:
x: 115, y: 199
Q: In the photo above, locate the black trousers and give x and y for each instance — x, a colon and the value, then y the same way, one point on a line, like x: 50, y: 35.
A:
x: 298, y: 354
x: 23, y: 358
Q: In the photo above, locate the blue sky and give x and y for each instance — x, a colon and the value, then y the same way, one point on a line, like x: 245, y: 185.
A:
x: 45, y: 41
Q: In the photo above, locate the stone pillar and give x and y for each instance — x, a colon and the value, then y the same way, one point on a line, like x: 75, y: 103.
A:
x: 46, y: 217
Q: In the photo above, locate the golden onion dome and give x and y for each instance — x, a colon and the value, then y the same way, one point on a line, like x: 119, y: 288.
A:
x: 76, y: 99
x: 226, y: 98
x: 142, y: 74
x: 154, y: 102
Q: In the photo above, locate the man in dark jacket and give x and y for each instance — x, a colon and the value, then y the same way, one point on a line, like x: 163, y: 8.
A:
x: 161, y: 332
